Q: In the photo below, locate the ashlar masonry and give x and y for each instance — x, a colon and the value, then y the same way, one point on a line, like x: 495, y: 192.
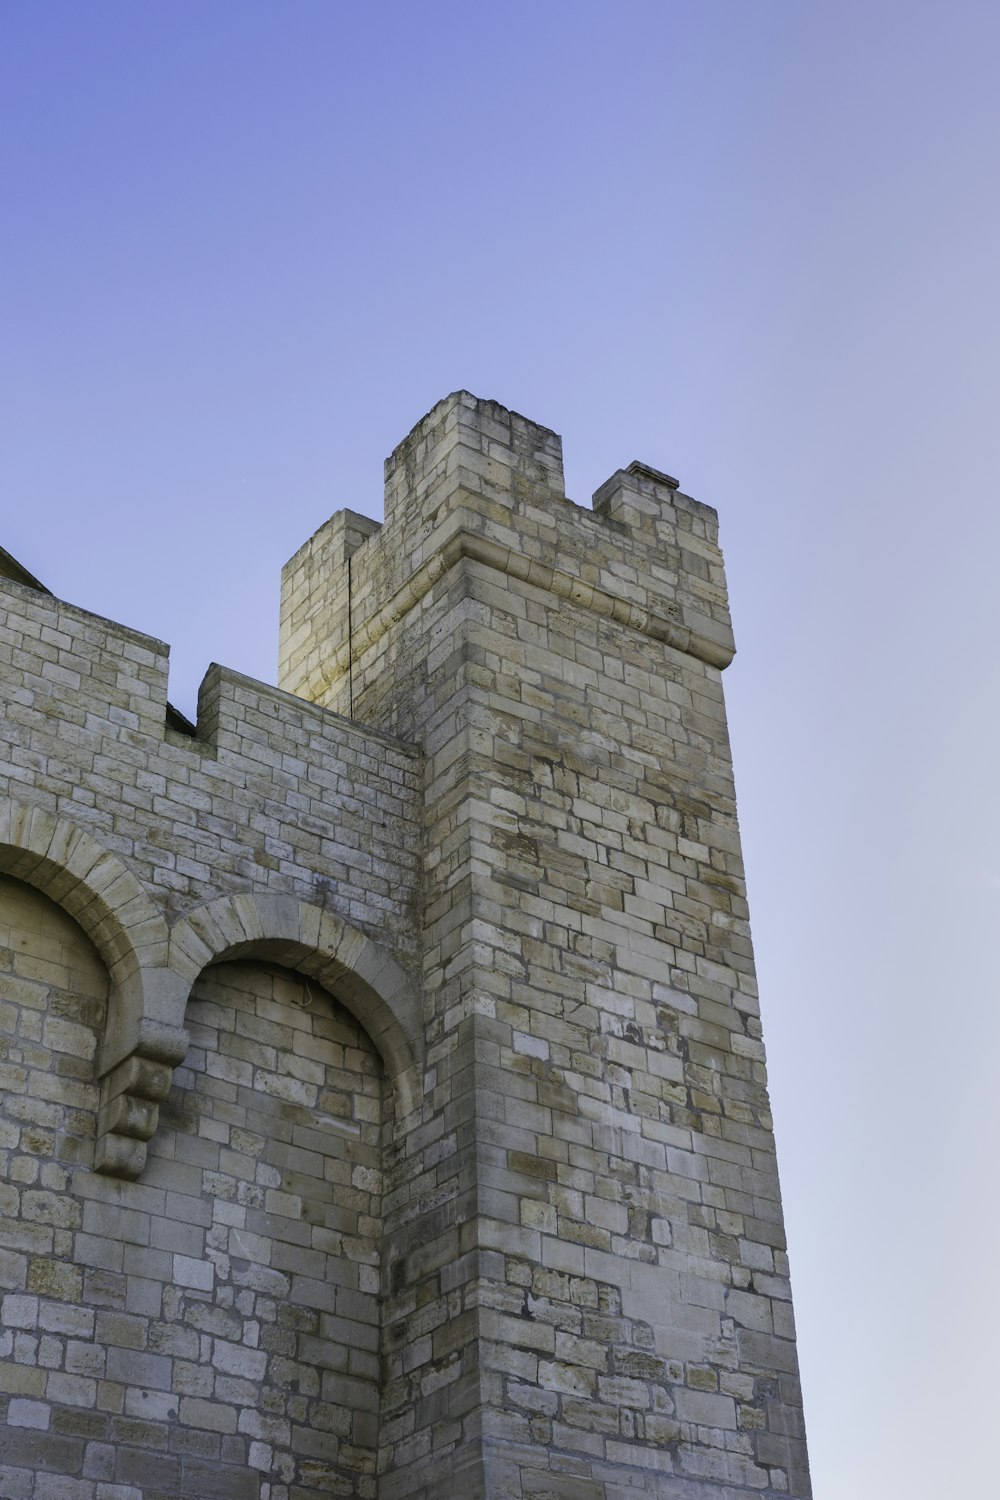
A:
x: 383, y: 1107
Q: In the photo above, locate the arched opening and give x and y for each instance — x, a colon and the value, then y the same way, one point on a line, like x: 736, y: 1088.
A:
x: 305, y: 1040
x: 324, y: 948
x: 225, y: 1307
x: 53, y: 1007
x: 279, y: 1115
x: 101, y: 893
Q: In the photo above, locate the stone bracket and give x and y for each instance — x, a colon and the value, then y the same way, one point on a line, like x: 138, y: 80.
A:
x: 131, y: 1093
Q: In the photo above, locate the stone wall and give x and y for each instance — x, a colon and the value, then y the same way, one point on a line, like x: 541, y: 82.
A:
x: 212, y: 1327
x: 425, y: 1086
x: 218, y: 1322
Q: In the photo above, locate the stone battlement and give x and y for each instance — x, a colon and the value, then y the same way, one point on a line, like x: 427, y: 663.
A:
x: 475, y: 481
x: 87, y: 738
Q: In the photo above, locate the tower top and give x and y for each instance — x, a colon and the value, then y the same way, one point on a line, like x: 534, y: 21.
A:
x: 474, y: 481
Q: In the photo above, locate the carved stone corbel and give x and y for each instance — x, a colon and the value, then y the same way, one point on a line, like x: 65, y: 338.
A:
x: 131, y: 1093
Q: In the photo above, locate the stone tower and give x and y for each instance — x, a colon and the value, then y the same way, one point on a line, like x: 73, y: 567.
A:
x: 388, y: 1097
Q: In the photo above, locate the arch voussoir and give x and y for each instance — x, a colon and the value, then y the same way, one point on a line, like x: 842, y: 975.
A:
x: 369, y: 982
x: 91, y: 883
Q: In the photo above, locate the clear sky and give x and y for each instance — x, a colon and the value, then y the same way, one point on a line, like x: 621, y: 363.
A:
x: 244, y: 246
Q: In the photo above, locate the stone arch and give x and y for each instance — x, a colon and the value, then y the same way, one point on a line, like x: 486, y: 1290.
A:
x: 89, y: 882
x: 301, y: 936
x: 54, y: 988
x: 273, y: 1148
x: 98, y: 890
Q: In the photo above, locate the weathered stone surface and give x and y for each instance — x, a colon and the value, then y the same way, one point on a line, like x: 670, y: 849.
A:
x: 382, y: 1097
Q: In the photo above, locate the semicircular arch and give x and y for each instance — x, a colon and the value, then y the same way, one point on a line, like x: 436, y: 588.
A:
x: 317, y: 943
x: 98, y: 890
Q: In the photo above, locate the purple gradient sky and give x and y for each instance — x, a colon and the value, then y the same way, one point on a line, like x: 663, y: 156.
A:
x: 244, y: 246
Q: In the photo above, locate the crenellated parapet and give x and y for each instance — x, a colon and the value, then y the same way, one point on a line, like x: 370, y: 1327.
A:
x: 270, y: 791
x: 474, y: 482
